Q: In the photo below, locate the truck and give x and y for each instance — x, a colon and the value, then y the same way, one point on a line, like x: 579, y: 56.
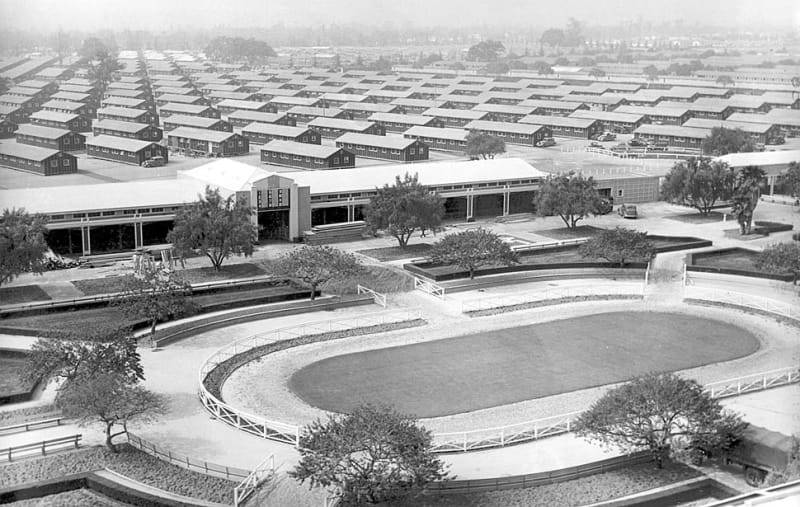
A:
x: 757, y: 453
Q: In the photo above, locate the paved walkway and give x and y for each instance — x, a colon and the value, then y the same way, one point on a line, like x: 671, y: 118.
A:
x: 189, y: 429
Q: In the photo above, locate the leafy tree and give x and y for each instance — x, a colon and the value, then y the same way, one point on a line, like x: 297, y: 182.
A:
x: 570, y: 196
x: 724, y: 80
x: 101, y: 63
x: 619, y: 245
x: 791, y: 179
x: 553, y: 37
x: 722, y: 141
x: 542, y: 68
x: 371, y: 455
x: 22, y: 244
x: 573, y: 36
x: 472, y: 249
x: 238, y: 49
x: 78, y: 354
x: 662, y: 412
x: 484, y: 146
x: 110, y: 399
x: 214, y: 226
x: 597, y: 72
x: 651, y: 72
x: 586, y: 61
x: 792, y: 470
x: 746, y: 191
x: 497, y: 68
x: 316, y: 265
x: 561, y: 60
x: 780, y: 258
x: 404, y: 207
x: 699, y: 183
x: 485, y: 51
x: 153, y: 295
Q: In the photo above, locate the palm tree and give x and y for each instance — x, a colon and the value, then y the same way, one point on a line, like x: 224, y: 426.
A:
x: 746, y: 191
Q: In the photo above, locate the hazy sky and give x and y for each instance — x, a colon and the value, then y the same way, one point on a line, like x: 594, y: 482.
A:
x: 154, y: 14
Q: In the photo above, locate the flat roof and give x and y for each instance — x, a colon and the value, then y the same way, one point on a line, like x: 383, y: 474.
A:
x: 185, y: 108
x: 214, y: 136
x: 672, y: 130
x: 322, y: 121
x: 301, y: 149
x: 122, y: 126
x: 504, y: 126
x: 274, y: 129
x: 609, y: 116
x: 429, y: 173
x: 226, y: 173
x: 31, y: 129
x: 561, y: 121
x: 54, y: 116
x: 127, y: 112
x: 464, y: 114
x: 763, y: 158
x: 118, y: 143
x: 242, y: 104
x: 437, y: 133
x: 413, y: 119
x: 389, y: 142
x: 26, y: 151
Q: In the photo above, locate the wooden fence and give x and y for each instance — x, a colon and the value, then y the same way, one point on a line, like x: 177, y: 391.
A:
x: 43, y: 447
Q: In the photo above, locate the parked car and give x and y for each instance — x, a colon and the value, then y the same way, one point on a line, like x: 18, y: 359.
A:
x: 637, y: 143
x: 595, y: 144
x: 777, y: 140
x: 154, y: 162
x: 607, y: 136
x: 606, y: 206
x: 547, y: 141
x: 658, y: 146
x: 628, y: 211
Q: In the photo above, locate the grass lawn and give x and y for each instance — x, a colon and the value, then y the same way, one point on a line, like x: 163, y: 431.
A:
x: 377, y: 278
x: 581, y: 231
x: 110, y: 284
x: 586, y: 490
x: 733, y: 259
x: 22, y: 294
x: 495, y: 368
x: 12, y: 367
x: 697, y: 218
x: 394, y: 253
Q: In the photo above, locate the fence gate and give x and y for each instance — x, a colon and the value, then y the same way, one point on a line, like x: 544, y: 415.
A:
x: 429, y: 287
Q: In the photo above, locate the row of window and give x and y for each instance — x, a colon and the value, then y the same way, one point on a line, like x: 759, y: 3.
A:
x: 308, y: 160
x: 24, y: 161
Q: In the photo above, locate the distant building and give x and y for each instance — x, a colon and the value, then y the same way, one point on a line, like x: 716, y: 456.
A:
x: 562, y: 126
x: 35, y: 159
x: 513, y: 133
x: 396, y: 149
x: 445, y: 139
x: 127, y: 114
x: 67, y: 121
x: 306, y: 156
x: 49, y: 137
x: 198, y: 122
x: 261, y: 133
x: 170, y: 109
x: 127, y: 151
x: 211, y: 143
x: 682, y: 137
x: 334, y: 127
x: 394, y: 122
x: 130, y: 130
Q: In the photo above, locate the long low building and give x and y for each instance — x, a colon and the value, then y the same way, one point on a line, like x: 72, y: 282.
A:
x: 261, y: 133
x: 211, y: 143
x: 363, y: 110
x: 38, y: 160
x: 306, y: 156
x: 245, y: 118
x: 130, y: 130
x: 456, y: 117
x: 526, y: 134
x: 228, y: 106
x: 305, y: 114
x: 50, y: 137
x: 757, y: 132
x: 66, y: 121
x: 128, y: 114
x: 395, y: 122
x: 188, y: 110
x: 335, y: 127
x: 127, y: 151
x: 396, y: 149
x: 681, y: 137
x: 197, y: 122
x: 613, y: 121
x: 445, y: 139
x: 565, y: 126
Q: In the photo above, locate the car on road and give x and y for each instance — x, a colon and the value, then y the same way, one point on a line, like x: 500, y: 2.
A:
x: 628, y: 211
x: 547, y: 141
x: 637, y: 143
x: 154, y: 162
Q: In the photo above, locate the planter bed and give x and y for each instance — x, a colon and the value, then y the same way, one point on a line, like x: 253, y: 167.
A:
x: 129, y: 462
x: 732, y: 261
x: 22, y: 294
x: 395, y: 253
x: 557, y: 257
x: 550, y: 302
x: 13, y: 388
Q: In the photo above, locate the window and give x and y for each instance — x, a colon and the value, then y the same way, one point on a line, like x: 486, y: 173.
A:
x: 109, y: 213
x: 619, y: 193
x: 54, y: 163
x: 335, y: 160
x: 66, y: 141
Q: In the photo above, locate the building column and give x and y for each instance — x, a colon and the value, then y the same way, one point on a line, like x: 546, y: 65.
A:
x: 351, y: 210
x: 138, y: 235
x: 506, y: 202
x: 470, y: 207
x: 771, y: 181
x: 86, y: 240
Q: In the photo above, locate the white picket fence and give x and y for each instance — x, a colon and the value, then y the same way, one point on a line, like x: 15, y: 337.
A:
x: 693, y: 291
x: 376, y: 296
x: 248, y: 486
x: 429, y: 287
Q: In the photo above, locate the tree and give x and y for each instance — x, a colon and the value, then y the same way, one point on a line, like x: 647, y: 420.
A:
x: 792, y: 470
x: 699, y: 183
x: 780, y: 258
x: 651, y: 72
x: 570, y: 196
x: 101, y: 63
x: 154, y: 295
x: 315, y: 265
x: 485, y: 51
x: 22, y: 244
x: 724, y: 80
x: 111, y: 400
x: 597, y: 72
x: 573, y: 35
x: 553, y: 37
x: 472, y: 249
x: 791, y: 179
x: 238, y: 49
x: 619, y: 245
x: 78, y: 354
x: 214, y: 226
x: 746, y: 191
x: 722, y: 141
x: 497, y: 68
x: 484, y: 146
x: 371, y: 455
x: 542, y: 68
x: 662, y: 412
x: 404, y: 207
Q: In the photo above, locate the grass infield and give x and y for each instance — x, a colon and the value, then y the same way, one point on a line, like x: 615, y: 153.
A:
x: 496, y: 368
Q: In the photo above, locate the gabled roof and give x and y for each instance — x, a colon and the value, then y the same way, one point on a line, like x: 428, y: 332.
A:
x: 413, y: 119
x: 437, y: 133
x: 465, y: 114
x: 503, y: 126
x: 242, y: 104
x: 388, y: 142
x: 126, y: 112
x: 122, y: 126
x: 119, y: 143
x: 64, y: 104
x: 214, y: 136
x: 192, y: 121
x: 561, y: 121
x: 54, y: 116
x: 608, y: 116
x: 274, y: 129
x: 340, y: 123
x: 672, y: 130
x: 27, y: 151
x: 300, y: 149
x: 30, y: 129
x: 185, y: 108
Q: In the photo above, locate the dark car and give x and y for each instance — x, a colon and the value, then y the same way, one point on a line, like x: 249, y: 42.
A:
x: 628, y: 211
x: 605, y: 207
x: 637, y: 143
x: 607, y: 136
x: 547, y: 141
x: 154, y: 162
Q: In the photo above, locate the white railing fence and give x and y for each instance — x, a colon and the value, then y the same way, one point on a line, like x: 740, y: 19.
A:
x: 429, y: 287
x: 376, y: 296
x: 258, y: 425
x: 248, y: 486
x: 756, y: 382
x: 693, y: 291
